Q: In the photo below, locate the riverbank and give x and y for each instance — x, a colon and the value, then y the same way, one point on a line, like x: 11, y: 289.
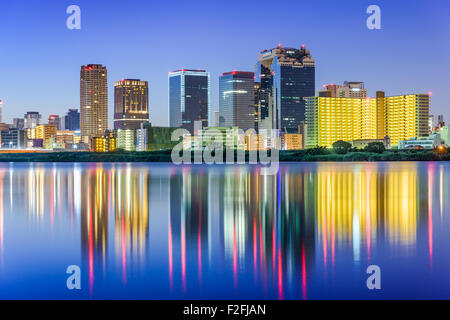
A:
x: 310, y: 155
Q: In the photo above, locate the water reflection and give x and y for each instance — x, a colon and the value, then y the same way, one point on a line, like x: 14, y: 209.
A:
x: 226, y: 231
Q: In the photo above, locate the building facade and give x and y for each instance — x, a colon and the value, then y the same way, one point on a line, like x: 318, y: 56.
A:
x: 131, y: 106
x: 399, y: 118
x: 286, y: 77
x: 445, y: 135
x: 348, y: 90
x: 13, y: 139
x: 18, y: 123
x: 72, y: 120
x: 429, y: 142
x: 93, y: 100
x: 189, y: 98
x: 32, y: 119
x: 103, y: 144
x: 45, y: 132
x: 126, y: 139
x: 291, y: 141
x: 141, y: 139
x: 55, y: 120
x: 237, y: 100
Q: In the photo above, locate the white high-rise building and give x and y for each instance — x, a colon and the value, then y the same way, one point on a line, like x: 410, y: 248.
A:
x: 141, y: 139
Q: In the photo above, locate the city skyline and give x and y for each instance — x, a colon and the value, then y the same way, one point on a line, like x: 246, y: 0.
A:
x: 392, y: 68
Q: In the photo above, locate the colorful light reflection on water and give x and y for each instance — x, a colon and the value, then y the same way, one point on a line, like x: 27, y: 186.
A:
x: 159, y: 231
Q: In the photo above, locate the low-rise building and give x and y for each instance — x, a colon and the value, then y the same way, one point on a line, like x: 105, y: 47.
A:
x: 65, y: 136
x: 104, y: 144
x: 13, y: 139
x: 431, y: 142
x: 52, y: 144
x: 256, y: 142
x: 291, y: 141
x: 45, y: 132
x: 445, y: 136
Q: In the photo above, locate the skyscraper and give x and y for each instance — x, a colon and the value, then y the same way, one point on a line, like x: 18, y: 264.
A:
x: 72, y: 120
x: 287, y: 76
x: 93, y: 100
x: 1, y: 110
x: 237, y: 99
x: 189, y: 98
x: 130, y: 104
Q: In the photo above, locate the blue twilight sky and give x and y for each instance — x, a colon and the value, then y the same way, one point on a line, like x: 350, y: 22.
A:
x: 40, y: 58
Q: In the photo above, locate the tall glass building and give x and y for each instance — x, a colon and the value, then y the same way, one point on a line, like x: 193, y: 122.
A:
x: 237, y: 100
x: 287, y: 76
x: 130, y: 104
x: 189, y: 98
x: 72, y: 120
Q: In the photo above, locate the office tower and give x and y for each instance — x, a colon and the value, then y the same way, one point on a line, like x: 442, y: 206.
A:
x: 93, y: 100
x: 130, y: 104
x: 287, y: 76
x: 18, y: 123
x: 72, y: 120
x: 55, y: 120
x: 1, y: 110
x: 348, y: 90
x: 189, y: 98
x: 237, y: 100
x: 399, y: 118
x: 32, y: 120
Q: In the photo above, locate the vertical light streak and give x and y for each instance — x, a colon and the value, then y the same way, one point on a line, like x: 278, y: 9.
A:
x: 430, y: 211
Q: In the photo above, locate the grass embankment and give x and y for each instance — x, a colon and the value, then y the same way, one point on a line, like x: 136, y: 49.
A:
x: 312, y: 155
